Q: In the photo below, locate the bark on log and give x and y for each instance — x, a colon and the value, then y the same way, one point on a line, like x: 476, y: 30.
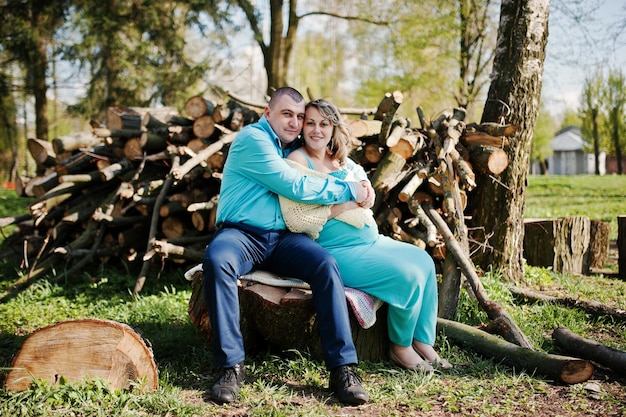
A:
x: 599, y: 244
x: 591, y: 350
x: 562, y: 243
x: 75, y: 141
x: 556, y: 367
x: 386, y: 111
x: 80, y: 349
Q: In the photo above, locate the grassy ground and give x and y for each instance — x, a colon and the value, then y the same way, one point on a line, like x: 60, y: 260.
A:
x: 597, y: 197
x: 290, y: 383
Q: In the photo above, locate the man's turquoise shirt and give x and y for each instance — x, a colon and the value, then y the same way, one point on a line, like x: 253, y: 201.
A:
x: 255, y: 173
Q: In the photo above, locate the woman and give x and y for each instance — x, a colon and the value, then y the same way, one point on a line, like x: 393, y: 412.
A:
x: 398, y: 273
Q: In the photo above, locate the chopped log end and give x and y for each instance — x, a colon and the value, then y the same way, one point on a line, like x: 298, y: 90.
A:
x: 84, y: 348
x: 576, y: 371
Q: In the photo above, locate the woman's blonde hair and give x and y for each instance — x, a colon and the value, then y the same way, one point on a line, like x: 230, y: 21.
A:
x: 340, y: 145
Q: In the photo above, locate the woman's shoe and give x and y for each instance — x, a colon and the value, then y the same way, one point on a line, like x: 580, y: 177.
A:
x: 439, y: 363
x: 420, y: 366
x: 442, y: 364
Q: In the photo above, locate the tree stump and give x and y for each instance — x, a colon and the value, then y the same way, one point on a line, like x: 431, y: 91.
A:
x: 599, y: 244
x: 562, y: 243
x: 621, y: 245
x: 82, y: 348
x: 284, y: 318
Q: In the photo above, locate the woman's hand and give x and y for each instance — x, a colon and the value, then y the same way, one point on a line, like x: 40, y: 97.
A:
x: 371, y: 195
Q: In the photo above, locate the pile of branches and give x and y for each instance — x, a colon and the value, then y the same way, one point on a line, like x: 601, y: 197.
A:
x: 143, y: 186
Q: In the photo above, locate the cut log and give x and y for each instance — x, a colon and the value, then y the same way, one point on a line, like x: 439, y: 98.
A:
x: 85, y: 348
x: 197, y: 106
x: 591, y: 350
x: 42, y: 152
x: 204, y: 127
x: 386, y: 111
x: 562, y: 244
x: 488, y: 160
x: 118, y: 117
x: 75, y: 141
x: 480, y: 138
x: 558, y: 368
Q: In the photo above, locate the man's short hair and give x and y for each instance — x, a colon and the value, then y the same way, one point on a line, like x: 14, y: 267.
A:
x: 289, y: 91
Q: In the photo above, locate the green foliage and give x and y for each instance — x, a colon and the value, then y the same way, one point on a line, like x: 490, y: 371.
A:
x: 421, y: 60
x: 570, y: 118
x: 136, y: 53
x: 603, y: 110
x: 542, y: 136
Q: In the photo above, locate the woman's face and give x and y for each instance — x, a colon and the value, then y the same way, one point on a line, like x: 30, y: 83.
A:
x: 317, y: 130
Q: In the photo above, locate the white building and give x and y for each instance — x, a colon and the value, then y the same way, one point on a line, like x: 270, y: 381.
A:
x: 571, y: 154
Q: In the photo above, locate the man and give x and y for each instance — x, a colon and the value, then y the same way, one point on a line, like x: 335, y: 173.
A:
x: 252, y: 235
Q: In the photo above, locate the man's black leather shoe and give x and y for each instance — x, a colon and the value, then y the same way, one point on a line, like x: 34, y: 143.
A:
x: 346, y: 384
x: 226, y: 389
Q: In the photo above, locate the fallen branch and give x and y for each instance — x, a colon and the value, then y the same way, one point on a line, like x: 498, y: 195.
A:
x: 509, y: 329
x: 559, y: 368
x: 592, y: 307
x: 591, y: 350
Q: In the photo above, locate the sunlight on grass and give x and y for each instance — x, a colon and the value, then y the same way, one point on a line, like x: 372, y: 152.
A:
x: 597, y: 197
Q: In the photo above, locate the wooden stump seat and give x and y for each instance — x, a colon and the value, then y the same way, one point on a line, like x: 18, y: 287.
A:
x: 283, y: 318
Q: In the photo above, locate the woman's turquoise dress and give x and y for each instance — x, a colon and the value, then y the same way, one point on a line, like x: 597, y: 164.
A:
x: 399, y: 273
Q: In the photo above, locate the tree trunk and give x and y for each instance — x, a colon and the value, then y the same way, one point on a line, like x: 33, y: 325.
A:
x: 497, y: 208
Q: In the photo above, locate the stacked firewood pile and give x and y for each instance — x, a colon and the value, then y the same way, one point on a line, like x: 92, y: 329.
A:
x: 144, y: 185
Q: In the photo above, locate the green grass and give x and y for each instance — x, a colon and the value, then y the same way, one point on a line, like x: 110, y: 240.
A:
x: 293, y: 384
x: 597, y: 197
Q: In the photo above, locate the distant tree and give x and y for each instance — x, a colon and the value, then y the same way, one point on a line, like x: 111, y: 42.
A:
x: 8, y: 129
x: 418, y: 55
x: 614, y: 96
x: 571, y: 118
x: 134, y: 52
x: 283, y: 19
x: 591, y: 111
x: 475, y: 49
x: 497, y: 207
x: 544, y: 131
x: 27, y: 28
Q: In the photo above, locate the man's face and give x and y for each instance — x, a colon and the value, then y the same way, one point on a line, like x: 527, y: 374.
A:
x: 286, y: 118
